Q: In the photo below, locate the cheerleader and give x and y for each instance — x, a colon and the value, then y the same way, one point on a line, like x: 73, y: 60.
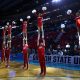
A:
x: 3, y: 46
x: 25, y: 45
x: 78, y: 24
x: 41, y: 56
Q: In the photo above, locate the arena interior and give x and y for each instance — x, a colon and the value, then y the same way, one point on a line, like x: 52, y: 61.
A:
x: 39, y: 39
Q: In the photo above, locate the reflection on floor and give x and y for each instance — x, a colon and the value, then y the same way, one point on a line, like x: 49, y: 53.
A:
x: 15, y: 72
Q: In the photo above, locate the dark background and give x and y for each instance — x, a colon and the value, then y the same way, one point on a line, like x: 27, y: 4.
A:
x: 15, y: 9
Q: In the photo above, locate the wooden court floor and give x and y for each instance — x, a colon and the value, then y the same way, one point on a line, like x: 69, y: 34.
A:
x: 15, y: 72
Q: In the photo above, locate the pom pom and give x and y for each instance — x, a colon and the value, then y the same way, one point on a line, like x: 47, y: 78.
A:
x: 62, y: 26
x: 28, y: 17
x: 69, y: 12
x: 7, y: 23
x: 44, y: 8
x: 33, y: 11
x: 21, y: 20
x: 67, y: 46
x: 13, y: 22
x: 2, y: 27
x: 6, y: 26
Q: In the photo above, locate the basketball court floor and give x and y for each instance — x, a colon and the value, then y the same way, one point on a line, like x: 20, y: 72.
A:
x: 15, y: 72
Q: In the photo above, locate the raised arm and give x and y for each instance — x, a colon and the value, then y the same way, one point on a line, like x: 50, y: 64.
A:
x: 35, y: 12
x: 43, y: 42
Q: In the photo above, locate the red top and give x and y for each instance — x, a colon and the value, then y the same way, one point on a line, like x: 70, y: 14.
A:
x: 41, y: 50
x: 24, y: 26
x: 78, y: 22
x: 9, y: 29
x: 40, y: 22
x: 25, y: 49
x: 8, y: 50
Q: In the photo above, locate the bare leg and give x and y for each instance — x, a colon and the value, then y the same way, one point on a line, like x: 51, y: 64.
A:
x: 9, y: 40
x: 8, y: 51
x: 23, y: 39
x: 26, y: 38
x: 78, y: 35
x: 42, y: 32
x: 38, y: 36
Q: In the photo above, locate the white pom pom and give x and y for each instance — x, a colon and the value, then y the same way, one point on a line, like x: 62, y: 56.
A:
x: 62, y: 26
x: 69, y: 12
x: 2, y: 27
x: 21, y: 20
x: 67, y: 46
x: 13, y: 22
x: 44, y: 8
x: 28, y: 17
x: 33, y: 11
x: 7, y: 23
x: 6, y: 26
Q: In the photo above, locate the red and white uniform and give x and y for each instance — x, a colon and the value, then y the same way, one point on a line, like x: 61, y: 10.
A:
x: 40, y: 22
x: 25, y: 55
x: 24, y: 26
x: 78, y: 22
x: 41, y: 57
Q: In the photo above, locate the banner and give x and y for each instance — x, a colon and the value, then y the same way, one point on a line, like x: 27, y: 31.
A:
x: 59, y: 59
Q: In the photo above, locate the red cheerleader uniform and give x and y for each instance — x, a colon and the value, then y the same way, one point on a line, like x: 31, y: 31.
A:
x: 9, y: 29
x: 24, y: 26
x: 41, y: 57
x: 78, y: 22
x: 25, y: 55
x: 40, y: 22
